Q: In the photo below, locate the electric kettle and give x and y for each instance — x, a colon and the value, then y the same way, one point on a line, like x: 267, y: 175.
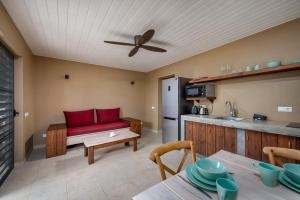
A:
x: 195, y: 110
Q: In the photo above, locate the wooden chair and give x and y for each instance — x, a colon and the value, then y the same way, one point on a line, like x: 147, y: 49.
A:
x: 275, y: 152
x: 165, y: 148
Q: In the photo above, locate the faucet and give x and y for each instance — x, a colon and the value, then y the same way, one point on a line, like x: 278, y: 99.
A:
x: 231, y: 108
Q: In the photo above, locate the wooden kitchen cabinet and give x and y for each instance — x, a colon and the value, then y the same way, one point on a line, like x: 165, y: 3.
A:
x: 189, y: 130
x: 230, y: 139
x: 210, y: 139
x: 253, y: 145
x: 287, y: 142
x: 199, y: 138
x: 196, y: 132
x: 268, y: 140
x: 220, y: 138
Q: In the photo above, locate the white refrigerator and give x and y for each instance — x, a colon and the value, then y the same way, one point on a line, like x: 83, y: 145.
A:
x: 173, y: 105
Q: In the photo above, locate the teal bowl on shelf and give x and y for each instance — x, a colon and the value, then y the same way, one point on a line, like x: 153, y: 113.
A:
x: 257, y: 67
x: 292, y: 171
x: 211, y: 169
x: 295, y: 61
x: 248, y: 68
x: 274, y: 63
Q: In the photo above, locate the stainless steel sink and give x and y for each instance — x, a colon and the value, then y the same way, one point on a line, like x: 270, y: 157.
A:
x: 229, y: 118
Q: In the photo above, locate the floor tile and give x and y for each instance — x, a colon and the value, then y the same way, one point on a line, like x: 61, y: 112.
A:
x: 117, y: 174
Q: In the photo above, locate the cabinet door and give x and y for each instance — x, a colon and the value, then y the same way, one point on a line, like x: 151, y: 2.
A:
x: 286, y: 142
x: 210, y: 139
x: 189, y: 131
x: 268, y: 140
x: 199, y: 138
x: 253, y: 144
x: 230, y: 140
x: 220, y: 136
x: 298, y: 146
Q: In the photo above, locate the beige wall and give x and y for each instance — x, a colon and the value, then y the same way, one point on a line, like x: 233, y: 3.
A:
x: 24, y: 66
x: 42, y: 90
x: 89, y: 86
x: 260, y: 94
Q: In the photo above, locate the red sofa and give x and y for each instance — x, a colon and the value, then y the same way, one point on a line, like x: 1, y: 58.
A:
x: 83, y: 122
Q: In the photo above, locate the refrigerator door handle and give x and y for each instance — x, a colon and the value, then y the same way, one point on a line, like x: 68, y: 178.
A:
x: 170, y: 118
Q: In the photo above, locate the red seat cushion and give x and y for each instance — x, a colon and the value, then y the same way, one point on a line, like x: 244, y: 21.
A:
x: 79, y: 118
x: 108, y: 115
x: 97, y: 128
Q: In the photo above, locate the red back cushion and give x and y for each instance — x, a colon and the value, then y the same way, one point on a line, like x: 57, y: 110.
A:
x: 108, y: 115
x: 79, y: 118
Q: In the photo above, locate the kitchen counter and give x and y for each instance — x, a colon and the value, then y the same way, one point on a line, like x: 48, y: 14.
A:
x: 269, y: 126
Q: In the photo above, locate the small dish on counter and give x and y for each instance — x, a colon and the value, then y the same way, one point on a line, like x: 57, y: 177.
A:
x: 274, y: 63
x: 248, y: 68
x: 257, y: 67
x: 295, y: 61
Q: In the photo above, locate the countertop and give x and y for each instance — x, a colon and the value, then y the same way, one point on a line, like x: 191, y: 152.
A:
x: 269, y: 126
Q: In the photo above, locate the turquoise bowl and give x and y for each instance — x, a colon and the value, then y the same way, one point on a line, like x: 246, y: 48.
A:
x: 292, y: 171
x: 248, y: 68
x: 274, y: 63
x: 211, y: 169
x: 295, y: 61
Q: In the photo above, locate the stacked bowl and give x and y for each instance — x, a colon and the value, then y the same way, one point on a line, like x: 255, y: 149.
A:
x: 290, y: 176
x: 205, y: 172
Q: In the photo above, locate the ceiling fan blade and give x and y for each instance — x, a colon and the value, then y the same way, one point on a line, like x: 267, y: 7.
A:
x: 146, y: 37
x: 152, y: 48
x: 133, y: 51
x: 119, y: 43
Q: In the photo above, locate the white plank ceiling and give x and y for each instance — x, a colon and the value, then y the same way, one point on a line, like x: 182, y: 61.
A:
x: 75, y: 29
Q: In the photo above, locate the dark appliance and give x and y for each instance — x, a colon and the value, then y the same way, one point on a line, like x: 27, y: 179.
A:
x: 200, y: 90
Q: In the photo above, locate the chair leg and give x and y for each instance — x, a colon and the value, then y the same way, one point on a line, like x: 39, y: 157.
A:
x: 193, y: 152
x: 161, y: 168
x: 182, y: 161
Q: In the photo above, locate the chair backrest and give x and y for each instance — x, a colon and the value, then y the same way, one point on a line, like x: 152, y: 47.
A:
x: 165, y: 148
x: 275, y: 152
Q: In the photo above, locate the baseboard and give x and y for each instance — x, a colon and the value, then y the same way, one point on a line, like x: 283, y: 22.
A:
x: 18, y: 164
x: 39, y: 146
x: 152, y: 130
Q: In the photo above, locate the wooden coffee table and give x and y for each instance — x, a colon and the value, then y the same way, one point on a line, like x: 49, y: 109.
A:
x: 103, y: 139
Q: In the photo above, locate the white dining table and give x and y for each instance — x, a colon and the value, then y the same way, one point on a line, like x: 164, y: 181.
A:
x: 249, y: 184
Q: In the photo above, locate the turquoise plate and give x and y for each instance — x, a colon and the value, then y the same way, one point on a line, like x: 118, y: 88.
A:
x: 286, y: 178
x: 292, y: 170
x: 189, y: 175
x: 287, y: 184
x: 198, y: 176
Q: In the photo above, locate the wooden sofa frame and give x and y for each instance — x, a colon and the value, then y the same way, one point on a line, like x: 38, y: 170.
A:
x: 56, y: 137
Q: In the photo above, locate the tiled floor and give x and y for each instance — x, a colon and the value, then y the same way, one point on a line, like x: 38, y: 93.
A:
x: 118, y: 173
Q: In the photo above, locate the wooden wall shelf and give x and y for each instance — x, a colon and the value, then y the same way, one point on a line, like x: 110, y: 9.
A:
x: 211, y: 99
x: 266, y: 70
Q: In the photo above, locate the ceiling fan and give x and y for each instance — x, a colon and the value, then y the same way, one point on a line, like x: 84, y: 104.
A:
x: 139, y: 42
